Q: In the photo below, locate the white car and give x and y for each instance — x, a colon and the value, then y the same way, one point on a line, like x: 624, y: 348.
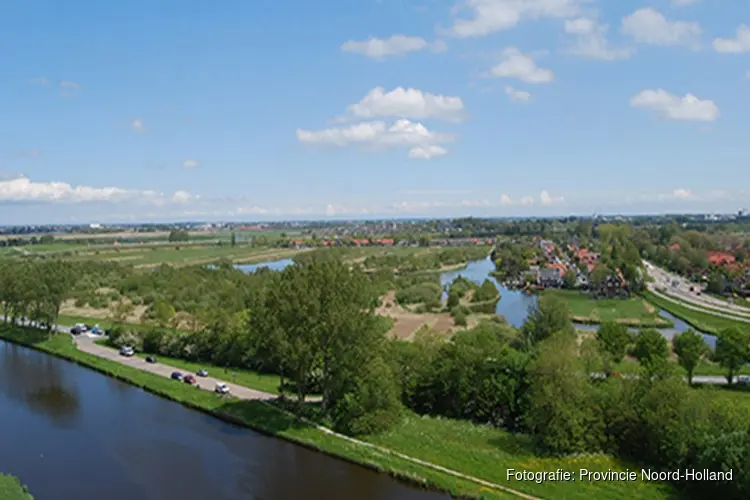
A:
x: 127, y: 351
x: 222, y: 388
x: 743, y: 380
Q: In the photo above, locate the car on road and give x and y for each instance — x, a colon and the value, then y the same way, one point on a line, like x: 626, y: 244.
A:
x: 743, y: 380
x: 150, y: 359
x: 176, y: 376
x: 221, y: 388
x: 188, y: 379
x: 127, y: 351
x: 76, y: 330
x: 81, y: 328
x: 202, y: 373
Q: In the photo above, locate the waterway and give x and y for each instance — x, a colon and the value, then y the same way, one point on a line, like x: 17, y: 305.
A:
x: 514, y: 305
x: 69, y: 432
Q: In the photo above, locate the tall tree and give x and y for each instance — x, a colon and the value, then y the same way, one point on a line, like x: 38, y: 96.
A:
x: 652, y: 351
x: 550, y: 315
x: 613, y: 341
x: 690, y: 349
x: 732, y: 350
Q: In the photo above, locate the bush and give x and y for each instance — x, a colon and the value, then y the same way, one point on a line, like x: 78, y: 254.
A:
x: 459, y: 319
x: 421, y: 293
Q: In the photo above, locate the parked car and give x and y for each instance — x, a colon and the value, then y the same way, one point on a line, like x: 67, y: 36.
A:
x: 76, y: 330
x: 202, y: 373
x: 176, y: 376
x: 127, y: 351
x: 87, y: 327
x: 188, y: 379
x: 743, y: 380
x: 150, y: 359
x: 82, y: 328
x: 222, y: 388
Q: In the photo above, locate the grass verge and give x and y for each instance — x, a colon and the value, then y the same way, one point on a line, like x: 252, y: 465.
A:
x: 11, y: 489
x: 703, y: 321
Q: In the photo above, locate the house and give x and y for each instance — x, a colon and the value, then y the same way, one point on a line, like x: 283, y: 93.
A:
x: 551, y: 276
x: 613, y: 286
x: 720, y: 258
x: 386, y: 242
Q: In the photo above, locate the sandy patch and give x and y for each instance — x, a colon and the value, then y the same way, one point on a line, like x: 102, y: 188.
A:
x: 406, y: 323
x: 69, y: 309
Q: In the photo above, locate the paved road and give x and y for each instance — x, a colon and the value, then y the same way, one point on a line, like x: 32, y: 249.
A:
x: 86, y: 344
x: 678, y: 287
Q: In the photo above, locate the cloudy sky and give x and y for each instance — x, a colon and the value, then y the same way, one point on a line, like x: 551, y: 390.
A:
x: 143, y: 110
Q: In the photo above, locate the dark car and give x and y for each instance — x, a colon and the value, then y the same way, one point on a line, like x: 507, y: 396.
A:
x: 202, y: 373
x: 150, y: 359
x: 189, y: 379
x: 75, y: 330
x: 88, y: 327
x: 176, y: 376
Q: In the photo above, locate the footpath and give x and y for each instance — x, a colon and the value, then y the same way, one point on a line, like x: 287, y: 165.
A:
x: 87, y: 344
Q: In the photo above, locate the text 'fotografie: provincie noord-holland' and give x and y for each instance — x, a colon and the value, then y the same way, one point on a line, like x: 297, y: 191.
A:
x: 616, y: 475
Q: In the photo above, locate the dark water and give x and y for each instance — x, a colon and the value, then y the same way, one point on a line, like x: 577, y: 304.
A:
x: 71, y: 433
x: 514, y: 304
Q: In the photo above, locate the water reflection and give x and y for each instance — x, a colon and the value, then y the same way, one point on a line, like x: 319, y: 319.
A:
x: 119, y: 442
x: 39, y: 384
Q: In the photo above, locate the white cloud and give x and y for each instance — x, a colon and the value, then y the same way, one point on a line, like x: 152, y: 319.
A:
x: 138, y: 126
x: 23, y: 189
x: 682, y: 193
x: 67, y: 84
x: 672, y: 107
x: 427, y: 152
x: 527, y: 201
x: 515, y: 64
x: 407, y: 103
x: 734, y: 45
x: 190, y: 164
x: 181, y: 197
x: 40, y: 80
x: 403, y: 133
x: 649, y: 26
x: 396, y: 45
x: 517, y: 95
x: 489, y: 16
x: 505, y: 200
x: 546, y: 199
x: 591, y: 40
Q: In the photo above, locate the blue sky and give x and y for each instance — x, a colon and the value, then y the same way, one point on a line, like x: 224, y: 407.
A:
x: 228, y: 110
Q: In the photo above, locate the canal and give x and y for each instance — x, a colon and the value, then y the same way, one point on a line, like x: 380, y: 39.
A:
x: 69, y: 432
x: 513, y: 304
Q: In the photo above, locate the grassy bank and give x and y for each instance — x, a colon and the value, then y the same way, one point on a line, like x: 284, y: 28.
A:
x: 634, y: 311
x: 703, y: 321
x: 11, y: 489
x: 479, y: 451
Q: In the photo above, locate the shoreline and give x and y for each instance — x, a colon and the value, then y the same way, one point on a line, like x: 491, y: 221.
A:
x: 340, y: 447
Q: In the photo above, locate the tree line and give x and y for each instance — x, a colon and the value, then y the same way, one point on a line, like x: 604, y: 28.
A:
x: 315, y: 325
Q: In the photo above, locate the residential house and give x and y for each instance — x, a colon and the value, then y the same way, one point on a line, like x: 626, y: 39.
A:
x: 720, y: 258
x: 613, y: 286
x: 551, y: 276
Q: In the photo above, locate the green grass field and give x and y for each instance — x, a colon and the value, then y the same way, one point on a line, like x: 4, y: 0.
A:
x: 704, y: 321
x: 11, y: 489
x: 488, y: 453
x: 177, y: 255
x: 634, y: 311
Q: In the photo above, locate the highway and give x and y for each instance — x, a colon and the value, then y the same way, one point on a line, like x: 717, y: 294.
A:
x: 666, y: 283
